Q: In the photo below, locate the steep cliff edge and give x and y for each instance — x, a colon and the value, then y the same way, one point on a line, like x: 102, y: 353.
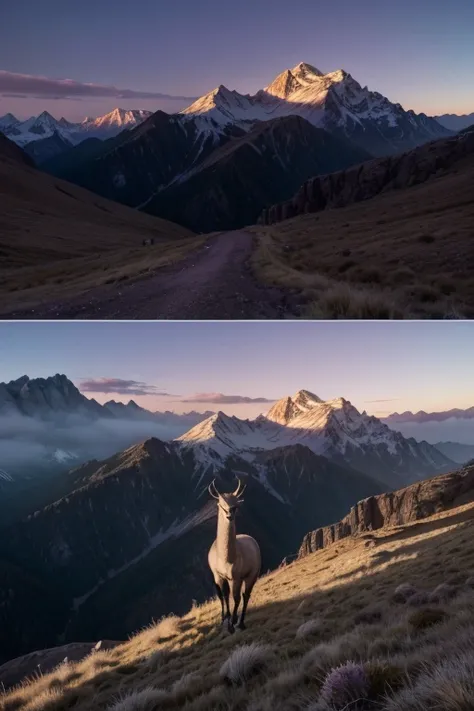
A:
x: 371, y: 178
x: 396, y: 508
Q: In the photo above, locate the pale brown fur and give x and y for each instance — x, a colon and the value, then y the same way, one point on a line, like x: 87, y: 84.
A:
x: 234, y: 560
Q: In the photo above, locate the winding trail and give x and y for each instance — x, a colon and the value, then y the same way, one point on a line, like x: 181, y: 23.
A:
x: 214, y: 282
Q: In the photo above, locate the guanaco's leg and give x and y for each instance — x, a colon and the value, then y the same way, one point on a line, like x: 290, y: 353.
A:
x: 236, y: 588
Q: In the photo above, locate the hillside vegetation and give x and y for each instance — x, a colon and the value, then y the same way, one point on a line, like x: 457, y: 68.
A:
x: 406, y: 253
x: 58, y: 240
x: 382, y: 620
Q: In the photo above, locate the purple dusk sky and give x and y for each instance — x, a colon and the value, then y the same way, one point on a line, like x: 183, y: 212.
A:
x: 381, y: 367
x: 140, y: 54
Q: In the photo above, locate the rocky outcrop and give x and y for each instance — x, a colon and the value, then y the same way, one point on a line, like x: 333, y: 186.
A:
x: 396, y: 508
x: 369, y: 179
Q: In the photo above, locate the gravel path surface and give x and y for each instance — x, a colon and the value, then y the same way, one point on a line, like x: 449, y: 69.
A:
x: 215, y: 282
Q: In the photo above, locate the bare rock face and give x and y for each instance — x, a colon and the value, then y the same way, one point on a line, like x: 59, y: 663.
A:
x: 396, y: 508
x: 371, y: 178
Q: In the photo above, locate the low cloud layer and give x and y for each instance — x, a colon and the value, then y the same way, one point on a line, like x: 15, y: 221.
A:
x: 121, y: 387
x: 28, y: 444
x: 221, y: 399
x: 452, y: 430
x: 28, y: 86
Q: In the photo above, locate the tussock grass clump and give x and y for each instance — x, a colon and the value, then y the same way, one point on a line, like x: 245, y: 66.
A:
x: 244, y: 662
x: 369, y: 616
x: 427, y: 617
x: 148, y: 699
x: 345, y: 685
x: 166, y: 628
x: 419, y: 598
x: 443, y: 593
x: 403, y: 592
x: 447, y: 686
x: 308, y: 629
x: 384, y: 678
x: 344, y: 301
x: 154, y: 660
x: 186, y: 682
x: 45, y: 700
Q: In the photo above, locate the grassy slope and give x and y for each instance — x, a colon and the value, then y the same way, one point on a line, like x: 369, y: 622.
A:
x: 345, y: 595
x: 401, y: 254
x: 57, y: 239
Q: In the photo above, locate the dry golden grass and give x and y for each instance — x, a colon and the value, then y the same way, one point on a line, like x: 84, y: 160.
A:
x: 334, y: 630
x: 406, y: 252
x: 58, y: 240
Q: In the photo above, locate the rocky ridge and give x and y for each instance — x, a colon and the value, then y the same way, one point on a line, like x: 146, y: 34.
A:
x: 396, y: 508
x: 371, y: 178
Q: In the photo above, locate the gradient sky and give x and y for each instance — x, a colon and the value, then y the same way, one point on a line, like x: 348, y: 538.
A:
x: 379, y: 367
x: 417, y: 52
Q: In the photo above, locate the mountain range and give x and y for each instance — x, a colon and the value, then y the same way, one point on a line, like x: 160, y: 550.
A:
x: 45, y: 125
x: 44, y: 136
x: 334, y: 429
x: 333, y: 101
x: 99, y: 542
x: 422, y: 416
x: 237, y: 154
x: 454, y: 122
x: 102, y: 556
x: 56, y: 397
x: 48, y: 426
x: 372, y: 178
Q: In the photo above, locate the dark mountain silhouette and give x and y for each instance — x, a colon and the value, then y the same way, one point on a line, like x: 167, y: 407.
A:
x: 107, y: 549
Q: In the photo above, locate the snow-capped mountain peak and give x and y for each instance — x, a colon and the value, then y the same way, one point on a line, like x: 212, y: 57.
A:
x: 223, y: 107
x: 112, y: 123
x: 8, y: 120
x: 287, y: 409
x: 283, y: 85
x: 224, y: 435
x: 45, y: 126
x: 333, y: 428
x: 334, y: 101
x: 306, y: 73
x: 291, y: 80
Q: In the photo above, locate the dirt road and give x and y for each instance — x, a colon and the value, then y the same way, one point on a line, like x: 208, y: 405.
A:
x: 214, y: 282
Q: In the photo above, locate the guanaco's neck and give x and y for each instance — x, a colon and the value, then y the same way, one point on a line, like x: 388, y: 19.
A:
x: 226, y: 545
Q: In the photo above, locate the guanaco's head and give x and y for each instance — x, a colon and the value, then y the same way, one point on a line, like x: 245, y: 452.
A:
x: 228, y: 503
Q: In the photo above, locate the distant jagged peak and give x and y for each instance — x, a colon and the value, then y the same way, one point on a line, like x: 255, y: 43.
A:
x: 8, y: 120
x: 291, y: 80
x: 289, y: 408
x: 219, y: 98
x: 305, y: 398
x: 283, y: 85
x: 306, y: 72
